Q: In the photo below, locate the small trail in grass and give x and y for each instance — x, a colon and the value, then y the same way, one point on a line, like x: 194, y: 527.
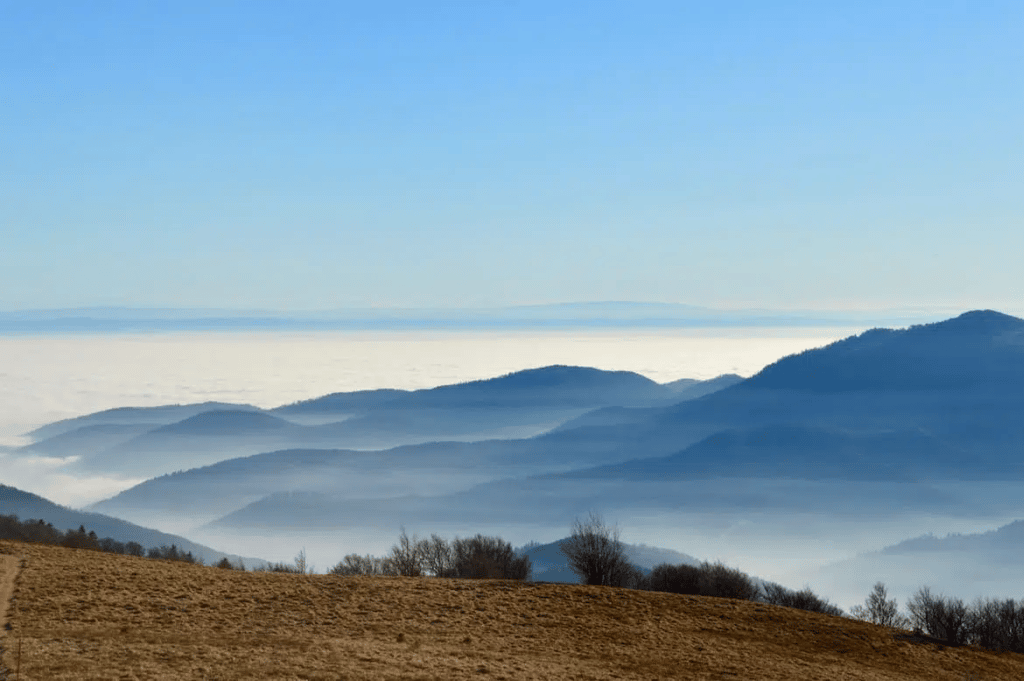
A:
x: 9, y: 566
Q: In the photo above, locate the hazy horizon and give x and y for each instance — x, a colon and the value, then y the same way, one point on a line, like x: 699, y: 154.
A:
x: 263, y: 202
x: 48, y: 378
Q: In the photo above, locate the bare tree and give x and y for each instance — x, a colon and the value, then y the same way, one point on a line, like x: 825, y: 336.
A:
x: 437, y: 556
x: 997, y: 624
x: 879, y: 610
x: 300, y: 562
x: 405, y: 559
x: 941, y: 617
x: 719, y: 580
x: 595, y: 552
x: 354, y: 564
x: 483, y: 557
x: 677, y: 579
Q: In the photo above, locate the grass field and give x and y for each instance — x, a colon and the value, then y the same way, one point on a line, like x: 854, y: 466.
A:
x: 87, y: 615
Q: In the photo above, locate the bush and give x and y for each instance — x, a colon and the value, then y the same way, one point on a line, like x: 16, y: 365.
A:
x: 81, y: 539
x: 437, y: 556
x: 997, y: 625
x: 354, y: 564
x: 677, y: 579
x: 278, y: 567
x: 487, y: 558
x: 707, y: 579
x: 805, y: 599
x: 722, y: 581
x: 405, y: 559
x: 941, y: 617
x: 595, y: 553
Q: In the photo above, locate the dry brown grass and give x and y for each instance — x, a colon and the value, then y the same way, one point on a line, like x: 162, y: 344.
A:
x: 88, y: 615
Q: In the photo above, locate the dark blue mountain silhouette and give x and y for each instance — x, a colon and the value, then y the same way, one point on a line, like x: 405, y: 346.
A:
x: 223, y: 423
x: 359, y: 400
x: 569, y: 386
x: 154, y: 416
x: 975, y: 349
x: 89, y: 439
x: 936, y: 402
x: 808, y: 453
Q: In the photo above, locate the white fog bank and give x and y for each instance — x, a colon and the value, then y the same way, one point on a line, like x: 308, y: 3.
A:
x: 47, y: 378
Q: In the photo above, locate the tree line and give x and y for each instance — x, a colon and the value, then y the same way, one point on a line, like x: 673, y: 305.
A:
x: 39, y: 532
x: 597, y: 556
x: 478, y: 557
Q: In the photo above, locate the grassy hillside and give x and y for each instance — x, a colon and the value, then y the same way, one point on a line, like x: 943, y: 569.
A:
x: 87, y: 615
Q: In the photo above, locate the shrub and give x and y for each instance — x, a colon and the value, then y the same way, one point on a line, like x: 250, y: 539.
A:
x: 941, y: 617
x: 437, y: 556
x: 722, y: 581
x: 487, y: 558
x: 354, y: 564
x: 706, y: 579
x: 595, y: 553
x: 677, y: 579
x: 997, y: 625
x: 805, y: 599
x: 405, y: 558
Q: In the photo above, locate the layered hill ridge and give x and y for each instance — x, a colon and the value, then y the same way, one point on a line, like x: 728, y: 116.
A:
x: 898, y: 425
x: 978, y: 348
x: 151, y: 441
x: 223, y: 422
x: 147, y: 416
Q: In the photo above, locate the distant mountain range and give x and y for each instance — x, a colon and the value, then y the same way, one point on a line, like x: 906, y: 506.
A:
x: 947, y: 417
x: 562, y: 315
x: 980, y: 564
x: 156, y: 440
x: 887, y: 423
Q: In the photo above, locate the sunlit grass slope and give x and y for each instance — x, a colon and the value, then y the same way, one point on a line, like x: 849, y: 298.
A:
x: 86, y: 615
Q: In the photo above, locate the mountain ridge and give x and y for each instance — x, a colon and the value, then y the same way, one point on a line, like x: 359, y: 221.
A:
x: 30, y: 506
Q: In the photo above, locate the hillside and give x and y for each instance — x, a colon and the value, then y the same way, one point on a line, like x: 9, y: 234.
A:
x: 977, y: 348
x: 151, y: 416
x: 86, y: 615
x: 27, y: 506
x: 967, y: 565
x: 147, y: 442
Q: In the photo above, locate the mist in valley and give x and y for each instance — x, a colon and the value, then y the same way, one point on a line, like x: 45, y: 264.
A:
x: 809, y: 473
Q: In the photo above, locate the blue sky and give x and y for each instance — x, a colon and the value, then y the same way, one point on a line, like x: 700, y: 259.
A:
x: 310, y: 155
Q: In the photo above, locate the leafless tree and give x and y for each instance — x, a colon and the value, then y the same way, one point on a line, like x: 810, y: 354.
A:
x: 301, y: 566
x: 483, y: 557
x: 878, y: 609
x: 595, y: 553
x: 405, y: 559
x: 354, y: 564
x: 436, y: 555
x: 805, y: 599
x: 941, y: 617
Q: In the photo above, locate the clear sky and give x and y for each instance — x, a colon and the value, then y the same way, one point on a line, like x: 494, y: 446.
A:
x: 315, y: 155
